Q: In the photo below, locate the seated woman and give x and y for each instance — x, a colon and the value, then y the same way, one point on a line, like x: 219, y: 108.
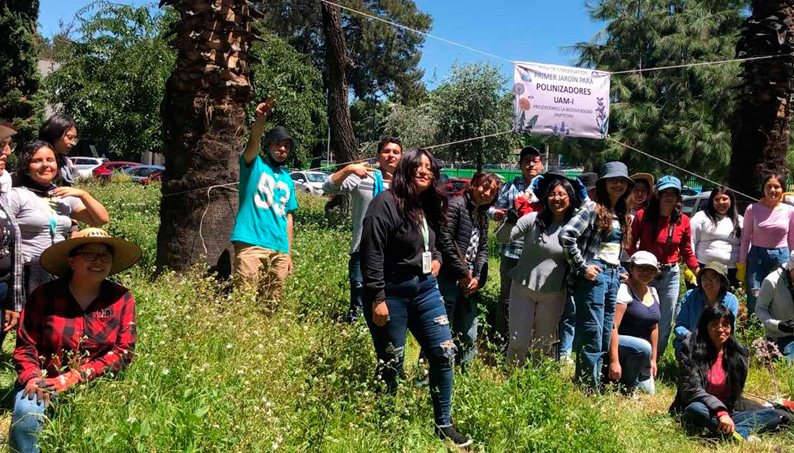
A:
x: 635, y: 335
x: 713, y: 372
x: 713, y: 288
x: 776, y: 307
x: 81, y: 326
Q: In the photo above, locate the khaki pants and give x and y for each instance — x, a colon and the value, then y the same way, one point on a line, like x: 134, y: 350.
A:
x: 262, y: 268
x: 534, y: 320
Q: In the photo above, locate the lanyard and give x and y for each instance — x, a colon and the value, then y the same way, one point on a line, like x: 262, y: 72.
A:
x: 425, y: 234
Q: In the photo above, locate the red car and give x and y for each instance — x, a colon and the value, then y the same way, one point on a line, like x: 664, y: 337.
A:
x: 456, y: 186
x: 105, y: 170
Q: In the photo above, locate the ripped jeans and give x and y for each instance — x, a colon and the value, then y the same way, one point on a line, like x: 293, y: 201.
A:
x: 416, y: 305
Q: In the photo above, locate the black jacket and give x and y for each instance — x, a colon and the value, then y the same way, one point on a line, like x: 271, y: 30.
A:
x: 455, y: 237
x: 391, y: 247
x: 692, y: 381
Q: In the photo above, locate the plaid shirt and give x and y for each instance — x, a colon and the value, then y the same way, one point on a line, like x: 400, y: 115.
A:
x: 507, y: 200
x: 55, y: 332
x: 580, y: 239
x: 12, y: 245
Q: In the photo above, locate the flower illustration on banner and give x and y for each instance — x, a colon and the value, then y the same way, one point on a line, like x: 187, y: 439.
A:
x: 518, y: 89
x: 562, y: 129
x: 525, y: 75
x: 524, y: 104
x: 602, y: 120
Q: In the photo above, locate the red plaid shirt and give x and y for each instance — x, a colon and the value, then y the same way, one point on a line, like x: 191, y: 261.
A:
x: 53, y: 325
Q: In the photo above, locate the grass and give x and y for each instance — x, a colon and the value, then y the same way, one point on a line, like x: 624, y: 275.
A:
x: 222, y: 372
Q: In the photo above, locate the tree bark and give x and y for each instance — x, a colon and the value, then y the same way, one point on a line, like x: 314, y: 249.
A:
x: 203, y: 114
x: 343, y: 141
x: 761, y: 124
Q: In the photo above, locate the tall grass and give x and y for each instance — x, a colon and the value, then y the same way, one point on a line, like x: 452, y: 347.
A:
x: 218, y: 371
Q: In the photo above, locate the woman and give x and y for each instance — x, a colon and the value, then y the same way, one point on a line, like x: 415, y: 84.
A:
x: 60, y: 131
x: 663, y: 229
x: 716, y: 232
x: 73, y: 329
x: 537, y: 294
x: 768, y: 235
x: 399, y: 262
x: 713, y: 289
x: 592, y: 241
x: 713, y: 372
x: 635, y: 336
x: 640, y: 195
x: 43, y: 211
x: 464, y: 252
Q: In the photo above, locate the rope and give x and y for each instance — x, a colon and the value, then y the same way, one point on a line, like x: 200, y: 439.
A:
x: 469, y: 139
x: 689, y: 65
x: 404, y: 27
x: 203, y: 214
x: 678, y: 168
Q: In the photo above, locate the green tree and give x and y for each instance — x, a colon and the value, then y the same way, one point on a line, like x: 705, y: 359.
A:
x: 112, y: 76
x: 474, y: 102
x: 383, y: 60
x: 416, y: 126
x: 20, y: 100
x: 287, y: 75
x: 680, y: 115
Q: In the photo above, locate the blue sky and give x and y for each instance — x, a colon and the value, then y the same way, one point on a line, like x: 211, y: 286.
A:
x: 526, y: 30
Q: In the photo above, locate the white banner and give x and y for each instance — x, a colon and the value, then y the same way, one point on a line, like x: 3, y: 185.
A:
x: 561, y: 100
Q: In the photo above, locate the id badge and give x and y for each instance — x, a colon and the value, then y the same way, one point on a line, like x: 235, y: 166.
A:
x: 427, y: 262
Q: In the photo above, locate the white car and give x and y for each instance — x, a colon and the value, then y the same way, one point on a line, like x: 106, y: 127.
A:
x: 86, y: 165
x: 309, y: 181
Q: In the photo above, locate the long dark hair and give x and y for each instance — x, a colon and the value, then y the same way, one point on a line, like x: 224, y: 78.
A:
x: 25, y: 157
x: 605, y: 211
x: 410, y: 202
x: 56, y: 127
x: 734, y: 355
x: 544, y: 219
x: 652, y: 212
x: 712, y: 214
x: 480, y: 179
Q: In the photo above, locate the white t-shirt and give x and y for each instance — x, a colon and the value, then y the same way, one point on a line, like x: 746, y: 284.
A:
x: 714, y: 243
x: 34, y: 214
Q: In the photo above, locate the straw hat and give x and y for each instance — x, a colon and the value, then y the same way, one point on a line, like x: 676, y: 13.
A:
x: 647, y: 177
x: 55, y: 259
x: 7, y: 130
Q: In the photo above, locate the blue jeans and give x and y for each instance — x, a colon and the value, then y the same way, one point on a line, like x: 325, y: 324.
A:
x: 26, y: 423
x: 567, y: 327
x: 760, y: 263
x: 356, y: 286
x: 462, y: 313
x: 415, y: 304
x: 669, y: 288
x: 786, y: 346
x: 697, y: 414
x: 635, y: 361
x: 595, y: 316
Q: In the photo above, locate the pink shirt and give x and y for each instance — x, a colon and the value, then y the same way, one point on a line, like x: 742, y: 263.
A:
x: 768, y: 228
x: 717, y: 381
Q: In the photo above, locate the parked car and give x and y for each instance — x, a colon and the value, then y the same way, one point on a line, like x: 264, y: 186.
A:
x: 145, y: 173
x: 105, y: 171
x: 695, y: 203
x: 86, y: 165
x: 309, y: 181
x: 456, y: 186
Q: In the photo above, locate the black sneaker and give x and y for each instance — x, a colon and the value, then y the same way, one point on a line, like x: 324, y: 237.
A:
x: 449, y: 433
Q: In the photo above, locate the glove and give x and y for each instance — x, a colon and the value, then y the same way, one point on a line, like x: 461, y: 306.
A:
x: 511, y: 216
x: 786, y: 326
x: 689, y: 276
x: 64, y: 381
x: 741, y: 273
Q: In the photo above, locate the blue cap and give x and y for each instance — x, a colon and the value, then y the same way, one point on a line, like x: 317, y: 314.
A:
x: 668, y: 182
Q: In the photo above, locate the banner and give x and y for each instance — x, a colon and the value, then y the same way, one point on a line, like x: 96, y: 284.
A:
x: 561, y: 100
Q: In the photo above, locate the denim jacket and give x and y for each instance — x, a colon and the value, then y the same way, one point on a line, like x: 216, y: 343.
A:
x: 692, y: 306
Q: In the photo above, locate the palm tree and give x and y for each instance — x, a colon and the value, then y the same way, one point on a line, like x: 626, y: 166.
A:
x: 761, y: 123
x: 204, y: 117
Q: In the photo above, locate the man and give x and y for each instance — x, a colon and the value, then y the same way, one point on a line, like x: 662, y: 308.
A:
x: 531, y: 164
x: 262, y: 233
x: 363, y: 183
x: 7, y: 146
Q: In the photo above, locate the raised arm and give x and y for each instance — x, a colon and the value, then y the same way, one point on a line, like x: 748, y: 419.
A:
x: 255, y: 140
x: 88, y: 211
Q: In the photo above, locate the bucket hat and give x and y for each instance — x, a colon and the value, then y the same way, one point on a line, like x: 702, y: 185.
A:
x: 615, y: 169
x: 717, y: 267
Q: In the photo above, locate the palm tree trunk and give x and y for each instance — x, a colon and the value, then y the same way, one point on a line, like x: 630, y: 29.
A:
x: 761, y: 128
x: 203, y: 114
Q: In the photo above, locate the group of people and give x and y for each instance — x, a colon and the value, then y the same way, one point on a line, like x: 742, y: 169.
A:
x: 72, y: 324
x: 589, y: 270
